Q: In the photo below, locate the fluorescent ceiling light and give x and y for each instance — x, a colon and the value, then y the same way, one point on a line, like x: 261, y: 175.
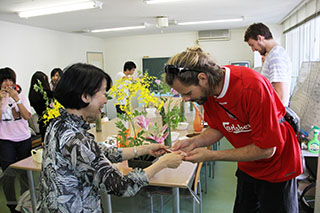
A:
x: 118, y: 29
x: 211, y: 21
x: 82, y: 5
x: 159, y: 1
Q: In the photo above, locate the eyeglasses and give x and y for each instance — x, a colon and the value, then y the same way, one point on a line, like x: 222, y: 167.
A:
x: 175, y: 69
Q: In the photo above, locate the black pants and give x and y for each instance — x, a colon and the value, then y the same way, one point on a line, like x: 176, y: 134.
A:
x: 260, y: 196
x: 11, y: 152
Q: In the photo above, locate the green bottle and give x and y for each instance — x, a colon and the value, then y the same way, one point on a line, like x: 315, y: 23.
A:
x: 313, y: 145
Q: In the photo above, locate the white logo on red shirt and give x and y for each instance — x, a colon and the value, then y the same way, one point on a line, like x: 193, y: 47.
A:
x: 236, y: 128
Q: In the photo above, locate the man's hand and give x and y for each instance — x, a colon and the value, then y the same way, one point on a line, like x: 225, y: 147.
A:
x: 185, y: 145
x: 199, y: 155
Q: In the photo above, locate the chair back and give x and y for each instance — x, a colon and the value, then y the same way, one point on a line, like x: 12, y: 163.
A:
x: 197, y: 176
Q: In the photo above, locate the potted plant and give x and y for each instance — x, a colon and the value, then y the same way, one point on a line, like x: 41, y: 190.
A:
x: 171, y: 115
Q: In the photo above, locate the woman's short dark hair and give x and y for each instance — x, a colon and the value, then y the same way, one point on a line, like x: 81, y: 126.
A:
x: 56, y: 70
x: 257, y: 29
x: 7, y: 73
x: 79, y: 79
x: 195, y: 60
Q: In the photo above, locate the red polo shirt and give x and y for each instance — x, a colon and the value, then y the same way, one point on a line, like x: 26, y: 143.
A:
x: 252, y: 100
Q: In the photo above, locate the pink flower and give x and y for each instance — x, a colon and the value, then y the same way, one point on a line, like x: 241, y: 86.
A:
x: 157, y: 81
x: 174, y: 92
x: 143, y: 121
x: 159, y: 140
x: 161, y: 136
x: 163, y: 129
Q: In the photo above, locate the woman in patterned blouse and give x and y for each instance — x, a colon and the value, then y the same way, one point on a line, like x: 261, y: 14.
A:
x: 74, y: 166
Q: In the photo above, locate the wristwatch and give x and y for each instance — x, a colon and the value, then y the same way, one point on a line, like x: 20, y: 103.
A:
x: 19, y: 102
x: 135, y: 151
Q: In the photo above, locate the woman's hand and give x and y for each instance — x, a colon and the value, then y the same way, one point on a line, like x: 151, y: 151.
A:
x: 3, y: 94
x: 171, y: 160
x: 156, y: 150
x: 13, y: 93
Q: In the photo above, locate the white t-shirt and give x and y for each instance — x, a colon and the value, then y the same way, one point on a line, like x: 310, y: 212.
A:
x: 12, y: 126
x: 277, y: 67
x: 118, y: 77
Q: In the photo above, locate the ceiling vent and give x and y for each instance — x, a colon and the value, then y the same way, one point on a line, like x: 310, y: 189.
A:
x: 214, y: 35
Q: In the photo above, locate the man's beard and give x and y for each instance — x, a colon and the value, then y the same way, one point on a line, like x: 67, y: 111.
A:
x: 203, y: 98
x: 263, y: 50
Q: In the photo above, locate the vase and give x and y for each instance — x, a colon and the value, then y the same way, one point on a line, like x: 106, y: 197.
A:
x: 182, y: 111
x: 98, y: 124
x: 168, y: 141
x: 141, y: 162
x: 198, y: 120
x: 191, y: 106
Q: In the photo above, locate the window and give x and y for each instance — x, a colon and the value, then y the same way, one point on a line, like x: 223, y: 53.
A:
x: 303, y: 44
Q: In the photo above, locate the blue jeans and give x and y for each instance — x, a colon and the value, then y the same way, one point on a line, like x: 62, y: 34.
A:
x: 11, y: 152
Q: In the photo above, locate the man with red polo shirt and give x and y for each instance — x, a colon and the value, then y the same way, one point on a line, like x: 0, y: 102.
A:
x: 241, y: 105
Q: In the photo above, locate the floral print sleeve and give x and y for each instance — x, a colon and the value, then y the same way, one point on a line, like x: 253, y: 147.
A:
x: 75, y: 169
x: 96, y: 168
x: 113, y: 154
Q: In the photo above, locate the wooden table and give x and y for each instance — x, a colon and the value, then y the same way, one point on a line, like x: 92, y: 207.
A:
x: 29, y: 165
x: 174, y: 178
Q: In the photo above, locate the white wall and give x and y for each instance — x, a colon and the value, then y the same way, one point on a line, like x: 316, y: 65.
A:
x: 234, y: 49
x: 28, y: 49
x: 134, y: 48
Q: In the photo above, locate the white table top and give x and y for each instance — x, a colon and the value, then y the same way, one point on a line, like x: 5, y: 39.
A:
x: 306, y: 153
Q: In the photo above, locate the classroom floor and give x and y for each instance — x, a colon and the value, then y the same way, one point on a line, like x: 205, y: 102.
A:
x: 219, y: 198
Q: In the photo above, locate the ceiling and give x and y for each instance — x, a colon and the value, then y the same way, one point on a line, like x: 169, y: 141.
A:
x: 123, y: 13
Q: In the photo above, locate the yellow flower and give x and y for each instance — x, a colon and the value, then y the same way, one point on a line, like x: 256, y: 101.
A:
x: 52, y: 111
x: 127, y: 88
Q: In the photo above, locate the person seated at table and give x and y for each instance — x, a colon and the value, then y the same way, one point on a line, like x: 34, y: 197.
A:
x: 74, y: 167
x: 15, y: 137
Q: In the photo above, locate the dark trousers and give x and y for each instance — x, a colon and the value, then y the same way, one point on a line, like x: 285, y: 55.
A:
x: 260, y: 196
x: 11, y: 152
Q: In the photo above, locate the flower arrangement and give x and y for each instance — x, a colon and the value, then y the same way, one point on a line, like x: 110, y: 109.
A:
x: 127, y: 89
x: 52, y: 105
x: 147, y: 87
x: 171, y: 115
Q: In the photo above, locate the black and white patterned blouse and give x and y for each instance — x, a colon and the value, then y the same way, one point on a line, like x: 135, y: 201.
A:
x: 75, y: 168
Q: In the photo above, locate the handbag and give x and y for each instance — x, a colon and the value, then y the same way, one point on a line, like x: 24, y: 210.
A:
x: 293, y: 119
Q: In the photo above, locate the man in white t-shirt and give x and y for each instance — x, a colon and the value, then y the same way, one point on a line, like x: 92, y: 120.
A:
x: 128, y: 70
x: 277, y: 66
